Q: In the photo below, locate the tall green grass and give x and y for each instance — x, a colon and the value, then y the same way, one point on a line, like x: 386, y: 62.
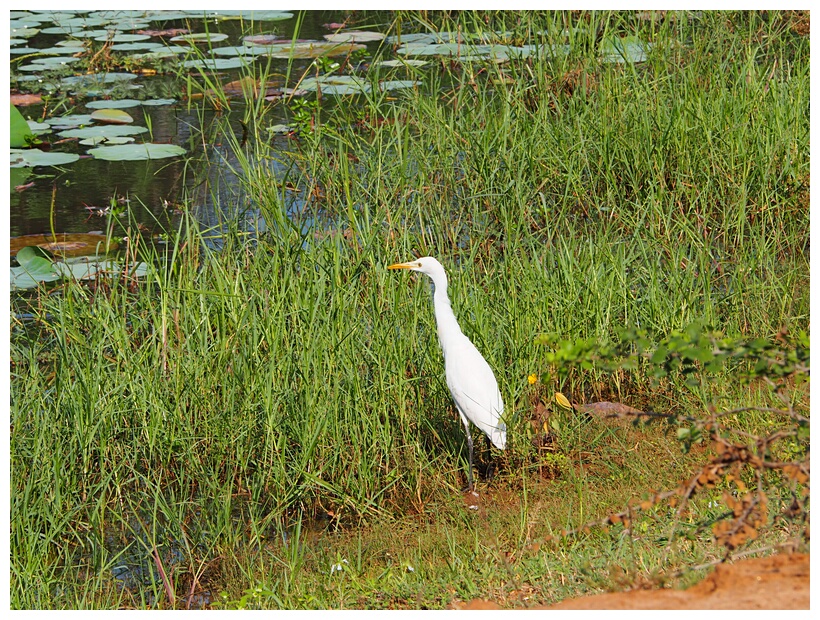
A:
x: 240, y: 393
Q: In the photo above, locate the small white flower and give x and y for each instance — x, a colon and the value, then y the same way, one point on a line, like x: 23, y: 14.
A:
x: 337, y: 567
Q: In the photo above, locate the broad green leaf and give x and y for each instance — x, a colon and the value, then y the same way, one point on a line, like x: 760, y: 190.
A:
x: 20, y: 130
x: 34, y: 258
x: 35, y: 266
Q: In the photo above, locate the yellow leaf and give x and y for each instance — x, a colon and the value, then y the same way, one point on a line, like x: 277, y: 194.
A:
x: 562, y: 400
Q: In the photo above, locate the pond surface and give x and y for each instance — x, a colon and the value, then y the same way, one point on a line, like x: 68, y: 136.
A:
x: 75, y: 197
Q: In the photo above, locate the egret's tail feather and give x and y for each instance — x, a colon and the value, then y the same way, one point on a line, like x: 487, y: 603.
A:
x: 499, y: 436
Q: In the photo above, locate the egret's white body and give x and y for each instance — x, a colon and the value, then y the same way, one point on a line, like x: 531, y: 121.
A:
x: 469, y: 376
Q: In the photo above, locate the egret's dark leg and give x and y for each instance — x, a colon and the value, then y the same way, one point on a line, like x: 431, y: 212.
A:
x: 470, y: 446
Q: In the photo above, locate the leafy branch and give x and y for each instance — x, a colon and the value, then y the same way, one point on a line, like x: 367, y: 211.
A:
x: 738, y: 456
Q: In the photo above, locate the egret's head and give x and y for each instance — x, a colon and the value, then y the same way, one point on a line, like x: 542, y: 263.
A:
x: 427, y: 264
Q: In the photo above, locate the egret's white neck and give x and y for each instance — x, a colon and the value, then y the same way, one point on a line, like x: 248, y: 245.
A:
x: 446, y: 323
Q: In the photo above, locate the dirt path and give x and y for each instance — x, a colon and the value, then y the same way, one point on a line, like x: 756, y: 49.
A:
x: 776, y: 582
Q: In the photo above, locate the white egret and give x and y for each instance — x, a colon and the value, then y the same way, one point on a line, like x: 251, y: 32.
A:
x: 469, y: 376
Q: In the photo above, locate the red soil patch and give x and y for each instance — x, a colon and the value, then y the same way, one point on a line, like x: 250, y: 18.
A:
x: 776, y: 582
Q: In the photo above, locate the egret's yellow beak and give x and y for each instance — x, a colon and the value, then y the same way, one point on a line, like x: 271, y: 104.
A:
x: 402, y: 266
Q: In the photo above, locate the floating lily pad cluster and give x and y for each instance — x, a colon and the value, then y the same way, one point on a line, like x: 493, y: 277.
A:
x: 36, y: 265
x: 215, y: 51
x: 475, y: 47
x: 112, y: 137
x: 233, y: 57
x: 116, y: 28
x: 111, y: 132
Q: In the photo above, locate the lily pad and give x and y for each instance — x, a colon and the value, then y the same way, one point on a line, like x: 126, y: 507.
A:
x: 427, y: 37
x: 262, y: 39
x: 85, y: 269
x: 53, y: 51
x: 313, y: 49
x: 158, y: 102
x: 397, y: 84
x: 355, y: 36
x: 75, y: 268
x: 113, y: 104
x: 148, y: 15
x: 351, y: 84
x: 138, y: 46
x: 24, y: 33
x: 18, y: 24
x: 34, y: 258
x: 130, y: 24
x: 216, y: 64
x: 404, y: 62
x: 96, y: 140
x: 280, y: 129
x: 135, y: 152
x: 463, y: 51
x: 276, y: 95
x: 114, y: 117
x: 28, y: 158
x: 199, y: 37
x: 249, y: 51
x: 35, y: 266
x: 69, y: 121
x: 106, y: 131
x: 630, y: 49
x: 121, y: 37
x: 64, y: 244
x: 40, y: 67
x: 38, y: 128
x: 160, y: 54
x: 336, y: 84
x: 257, y: 16
x: 424, y: 48
x: 91, y: 34
x: 70, y: 43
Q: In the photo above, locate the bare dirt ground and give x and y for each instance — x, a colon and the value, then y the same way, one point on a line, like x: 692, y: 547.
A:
x: 776, y: 582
